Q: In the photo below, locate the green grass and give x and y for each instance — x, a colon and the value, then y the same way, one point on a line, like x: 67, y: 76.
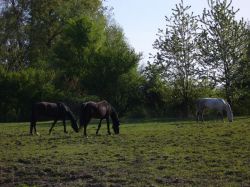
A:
x: 178, y: 153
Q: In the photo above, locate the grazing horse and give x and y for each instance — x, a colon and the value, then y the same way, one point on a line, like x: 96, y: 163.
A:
x: 217, y: 104
x: 55, y: 111
x: 101, y: 110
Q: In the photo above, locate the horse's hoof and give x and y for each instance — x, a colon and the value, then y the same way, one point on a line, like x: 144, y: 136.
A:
x: 66, y: 132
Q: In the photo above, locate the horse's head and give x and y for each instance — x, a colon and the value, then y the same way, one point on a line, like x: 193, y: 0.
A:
x: 115, y: 120
x: 116, y: 127
x: 229, y: 113
x: 230, y: 116
x: 73, y: 120
x: 74, y: 125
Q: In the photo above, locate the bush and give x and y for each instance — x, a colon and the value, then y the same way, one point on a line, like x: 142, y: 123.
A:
x: 20, y: 89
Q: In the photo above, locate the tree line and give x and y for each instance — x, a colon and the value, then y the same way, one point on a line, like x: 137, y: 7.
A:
x: 73, y: 51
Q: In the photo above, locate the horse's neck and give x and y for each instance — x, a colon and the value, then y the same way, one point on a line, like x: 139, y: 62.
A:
x: 228, y: 109
x: 70, y: 115
x: 113, y: 115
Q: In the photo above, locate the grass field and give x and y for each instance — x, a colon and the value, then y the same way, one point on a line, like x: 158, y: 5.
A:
x: 179, y: 153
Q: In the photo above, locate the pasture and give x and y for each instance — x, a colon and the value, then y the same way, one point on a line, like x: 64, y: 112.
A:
x: 148, y: 153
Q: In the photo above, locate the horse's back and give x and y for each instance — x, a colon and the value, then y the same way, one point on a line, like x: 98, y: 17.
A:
x: 96, y: 109
x: 45, y: 109
x: 45, y: 104
x: 210, y: 103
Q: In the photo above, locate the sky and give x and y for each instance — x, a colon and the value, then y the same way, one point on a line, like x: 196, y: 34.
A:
x: 141, y: 19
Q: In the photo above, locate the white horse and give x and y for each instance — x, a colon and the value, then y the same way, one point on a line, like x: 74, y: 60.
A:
x: 217, y: 104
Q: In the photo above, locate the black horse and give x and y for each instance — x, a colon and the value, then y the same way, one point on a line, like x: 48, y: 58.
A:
x: 55, y: 111
x: 101, y: 110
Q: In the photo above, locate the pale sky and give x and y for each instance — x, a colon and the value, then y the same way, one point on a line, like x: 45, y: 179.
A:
x: 140, y: 19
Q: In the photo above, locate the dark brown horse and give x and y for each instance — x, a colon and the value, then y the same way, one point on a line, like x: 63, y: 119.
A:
x: 54, y: 111
x: 101, y: 110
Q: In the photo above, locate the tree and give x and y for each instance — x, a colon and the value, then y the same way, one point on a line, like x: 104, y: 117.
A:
x: 157, y: 94
x: 223, y: 44
x: 30, y: 29
x: 112, y: 66
x: 176, y: 54
x: 48, y: 20
x: 13, y: 34
x: 75, y: 53
x: 242, y: 84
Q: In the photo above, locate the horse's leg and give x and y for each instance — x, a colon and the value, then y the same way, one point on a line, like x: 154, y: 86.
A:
x: 85, y: 130
x: 218, y: 116
x: 64, y: 126
x: 202, y: 118
x: 107, y: 119
x: 34, y: 126
x: 84, y: 123
x: 31, y: 127
x: 222, y: 117
x: 197, y: 116
x: 52, y: 126
x: 99, y: 126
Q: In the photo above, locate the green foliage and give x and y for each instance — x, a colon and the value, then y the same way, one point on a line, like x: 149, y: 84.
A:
x: 13, y: 35
x: 157, y: 95
x: 176, y: 53
x: 20, y: 89
x: 110, y: 67
x: 63, y: 50
x: 48, y: 20
x: 177, y: 153
x: 223, y: 45
x: 76, y: 49
x: 206, y: 61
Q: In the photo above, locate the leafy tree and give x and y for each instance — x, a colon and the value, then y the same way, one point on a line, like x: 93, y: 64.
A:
x: 13, y: 34
x: 242, y: 84
x: 48, y: 20
x: 20, y: 89
x: 157, y: 94
x: 176, y: 54
x: 223, y: 44
x: 75, y: 53
x: 113, y: 64
x: 29, y: 29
